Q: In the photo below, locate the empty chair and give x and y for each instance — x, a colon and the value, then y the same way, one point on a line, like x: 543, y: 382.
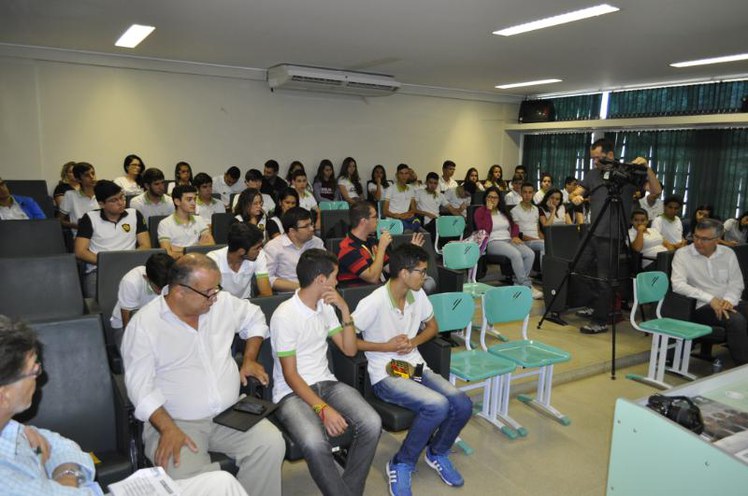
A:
x: 334, y: 223
x: 394, y: 226
x: 512, y: 304
x: 448, y: 226
x: 464, y: 256
x: 28, y: 238
x: 334, y: 205
x: 651, y: 287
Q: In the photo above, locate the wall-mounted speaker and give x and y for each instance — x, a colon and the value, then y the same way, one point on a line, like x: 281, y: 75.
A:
x: 537, y: 111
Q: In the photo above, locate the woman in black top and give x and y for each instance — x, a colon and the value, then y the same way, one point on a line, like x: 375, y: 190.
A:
x: 67, y: 183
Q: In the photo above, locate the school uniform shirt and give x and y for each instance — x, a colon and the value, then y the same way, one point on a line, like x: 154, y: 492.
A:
x: 297, y: 330
x: 430, y: 202
x: 527, y: 220
x: 148, y: 208
x: 671, y: 230
x: 128, y: 186
x: 447, y: 185
x: 451, y: 197
x: 512, y: 198
x: 268, y: 205
x: 379, y: 319
x: 307, y: 201
x: 239, y: 283
x: 182, y: 234
x: 134, y: 292
x: 559, y: 218
x: 75, y: 203
x: 652, y: 244
x: 206, y: 210
x: 538, y: 197
x: 655, y: 210
x: 106, y: 235
x: 399, y: 198
x: 348, y: 187
x: 223, y: 189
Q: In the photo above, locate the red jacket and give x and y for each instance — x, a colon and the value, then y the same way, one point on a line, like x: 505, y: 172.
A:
x: 483, y: 221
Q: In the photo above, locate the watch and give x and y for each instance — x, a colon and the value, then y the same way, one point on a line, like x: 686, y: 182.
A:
x: 80, y: 476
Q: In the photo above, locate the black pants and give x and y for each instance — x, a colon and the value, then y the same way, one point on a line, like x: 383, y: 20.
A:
x: 735, y: 329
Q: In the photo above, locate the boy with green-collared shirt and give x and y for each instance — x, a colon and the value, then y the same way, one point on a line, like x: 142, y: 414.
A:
x: 183, y: 228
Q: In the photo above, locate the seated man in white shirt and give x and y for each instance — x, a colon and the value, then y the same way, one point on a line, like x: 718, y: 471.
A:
x: 651, y: 202
x: 242, y: 260
x: 459, y: 198
x: 138, y: 287
x: 710, y: 273
x: 306, y: 198
x: 313, y: 405
x: 400, y: 200
x: 527, y: 217
x: 253, y: 180
x: 153, y: 201
x: 183, y: 228
x: 227, y: 184
x: 180, y: 374
x: 206, y: 204
x: 446, y: 181
x: 282, y: 252
x: 429, y: 202
x: 514, y: 196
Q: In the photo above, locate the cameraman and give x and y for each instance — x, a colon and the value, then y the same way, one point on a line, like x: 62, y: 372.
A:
x: 597, y: 257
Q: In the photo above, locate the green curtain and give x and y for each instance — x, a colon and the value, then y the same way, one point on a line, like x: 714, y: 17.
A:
x: 557, y: 154
x: 575, y: 108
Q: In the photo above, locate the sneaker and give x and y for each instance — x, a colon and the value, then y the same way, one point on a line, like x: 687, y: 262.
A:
x: 585, y: 312
x: 537, y: 295
x: 399, y: 478
x: 444, y: 468
x: 593, y: 329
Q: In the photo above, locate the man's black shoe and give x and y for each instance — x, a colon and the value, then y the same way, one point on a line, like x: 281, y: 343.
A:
x: 593, y: 329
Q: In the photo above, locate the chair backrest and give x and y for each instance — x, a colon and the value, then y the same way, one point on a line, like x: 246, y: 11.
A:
x: 354, y: 294
x: 334, y: 223
x: 74, y: 395
x: 460, y: 255
x: 36, y: 189
x: 333, y: 245
x: 219, y: 226
x: 651, y: 286
x: 153, y: 221
x: 450, y: 226
x: 28, y: 238
x: 334, y: 205
x: 128, y: 199
x: 394, y: 226
x: 664, y: 262
x: 41, y: 288
x: 453, y: 311
x: 507, y: 304
x: 204, y: 249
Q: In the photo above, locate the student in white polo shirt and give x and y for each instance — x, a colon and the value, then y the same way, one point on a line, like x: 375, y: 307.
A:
x: 113, y: 227
x: 241, y: 260
x: 459, y: 198
x: 527, y: 216
x: 227, y: 184
x: 183, y: 228
x: 389, y: 320
x: 429, y: 201
x: 446, y: 181
x: 300, y: 183
x: 253, y: 180
x: 75, y: 203
x: 138, y: 287
x: 206, y: 204
x: 154, y: 201
x: 400, y: 200
x: 313, y: 405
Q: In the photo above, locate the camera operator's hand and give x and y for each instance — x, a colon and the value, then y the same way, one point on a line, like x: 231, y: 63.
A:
x: 639, y: 161
x: 577, y: 199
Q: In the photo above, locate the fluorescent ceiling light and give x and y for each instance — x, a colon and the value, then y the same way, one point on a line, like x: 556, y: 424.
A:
x: 134, y: 35
x: 714, y: 60
x: 559, y: 19
x: 527, y: 83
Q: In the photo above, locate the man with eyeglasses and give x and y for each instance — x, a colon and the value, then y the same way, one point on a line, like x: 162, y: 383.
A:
x: 180, y: 374
x: 242, y: 260
x: 111, y: 227
x: 710, y: 273
x: 283, y: 252
x: 389, y: 320
x: 16, y: 207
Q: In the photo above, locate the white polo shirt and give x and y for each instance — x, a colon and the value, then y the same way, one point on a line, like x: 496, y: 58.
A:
x: 379, y: 319
x: 147, y: 208
x: 134, y: 293
x: 451, y: 197
x: 527, y: 220
x: 223, y: 189
x: 75, y: 203
x: 181, y: 234
x: 655, y: 210
x: 105, y: 235
x: 239, y: 283
x: 399, y: 200
x: 652, y: 243
x: 189, y: 372
x: 429, y: 202
x: 348, y: 187
x: 512, y: 198
x: 447, y: 185
x: 282, y: 256
x: 297, y: 330
x: 671, y: 230
x: 307, y: 201
x: 206, y: 210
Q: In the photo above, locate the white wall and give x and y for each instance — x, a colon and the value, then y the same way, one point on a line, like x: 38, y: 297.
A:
x: 52, y: 112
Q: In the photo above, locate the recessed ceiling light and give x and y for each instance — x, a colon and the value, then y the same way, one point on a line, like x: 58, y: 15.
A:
x: 134, y: 35
x: 577, y: 15
x: 527, y: 83
x: 714, y: 60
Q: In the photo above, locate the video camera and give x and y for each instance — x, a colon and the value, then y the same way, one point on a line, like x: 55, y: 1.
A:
x: 621, y: 173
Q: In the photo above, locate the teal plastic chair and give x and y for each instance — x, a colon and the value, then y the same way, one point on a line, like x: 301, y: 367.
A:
x: 394, y: 226
x: 512, y: 304
x: 461, y: 256
x: 651, y: 287
x: 333, y: 205
x: 479, y: 368
x: 448, y: 226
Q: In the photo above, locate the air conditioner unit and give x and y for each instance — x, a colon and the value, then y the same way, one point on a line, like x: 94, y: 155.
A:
x: 302, y: 78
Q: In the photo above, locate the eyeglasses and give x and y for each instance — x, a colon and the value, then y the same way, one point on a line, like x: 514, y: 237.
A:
x: 305, y: 226
x: 492, y: 197
x: 422, y: 272
x: 704, y: 239
x: 116, y: 199
x: 35, y: 372
x: 208, y: 296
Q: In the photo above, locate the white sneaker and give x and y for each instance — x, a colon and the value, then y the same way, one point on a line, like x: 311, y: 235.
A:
x: 537, y: 295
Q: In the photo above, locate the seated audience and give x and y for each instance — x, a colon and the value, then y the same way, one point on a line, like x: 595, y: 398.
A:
x: 287, y: 199
x: 647, y: 241
x: 253, y: 180
x: 389, y: 320
x: 546, y: 183
x: 75, y: 203
x: 446, y: 180
x: 570, y: 184
x: 458, y: 199
x: 242, y: 260
x: 249, y: 209
x: 153, y: 201
x: 132, y: 182
x: 652, y: 202
x: 495, y: 178
x: 503, y: 238
x: 139, y: 286
x: 183, y: 228
x: 378, y: 186
x: 325, y: 187
x: 112, y: 227
x: 527, y: 217
x: 472, y: 177
x: 16, y: 207
x: 282, y: 253
x: 413, y: 180
x: 520, y: 170
x: 313, y: 405
x: 67, y: 183
x: 400, y: 201
x: 710, y: 273
x: 293, y: 167
x: 429, y: 201
x: 736, y: 230
x: 177, y: 391
x: 206, y: 204
x: 306, y: 198
x: 514, y: 196
x: 227, y: 184
x: 349, y: 183
x: 552, y: 211
x: 39, y: 461
x: 700, y: 212
x: 669, y: 224
x: 272, y: 184
x: 182, y: 176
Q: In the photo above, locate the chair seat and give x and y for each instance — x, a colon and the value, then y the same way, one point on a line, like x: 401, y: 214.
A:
x: 529, y: 353
x: 680, y: 329
x: 476, y: 288
x: 113, y: 468
x: 478, y: 365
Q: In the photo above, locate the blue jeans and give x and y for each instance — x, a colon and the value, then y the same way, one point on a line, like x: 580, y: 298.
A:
x: 306, y: 429
x: 521, y: 257
x: 441, y: 411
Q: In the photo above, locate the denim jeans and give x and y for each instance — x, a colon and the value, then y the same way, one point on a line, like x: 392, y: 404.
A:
x: 306, y: 429
x: 519, y: 255
x: 441, y: 410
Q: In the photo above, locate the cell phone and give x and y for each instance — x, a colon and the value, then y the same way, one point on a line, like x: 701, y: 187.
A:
x: 249, y: 407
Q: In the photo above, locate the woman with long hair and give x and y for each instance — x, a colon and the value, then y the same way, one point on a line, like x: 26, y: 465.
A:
x: 552, y: 210
x: 249, y: 210
x: 503, y: 237
x: 182, y: 176
x: 324, y: 187
x: 472, y: 177
x: 132, y: 182
x: 67, y: 183
x: 349, y: 183
x: 701, y: 212
x: 546, y: 183
x: 378, y: 184
x: 736, y: 230
x: 495, y: 178
x: 287, y: 199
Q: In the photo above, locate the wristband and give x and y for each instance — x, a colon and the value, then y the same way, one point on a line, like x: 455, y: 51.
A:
x: 319, y: 407
x: 349, y: 323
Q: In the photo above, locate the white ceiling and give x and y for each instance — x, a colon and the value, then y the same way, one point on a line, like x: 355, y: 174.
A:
x: 440, y: 43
